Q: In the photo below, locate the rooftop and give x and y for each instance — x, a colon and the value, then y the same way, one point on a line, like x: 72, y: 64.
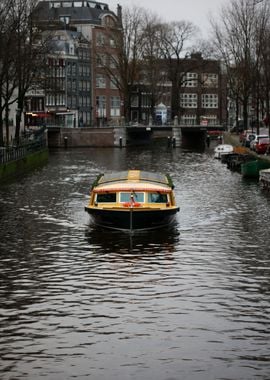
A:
x: 77, y: 12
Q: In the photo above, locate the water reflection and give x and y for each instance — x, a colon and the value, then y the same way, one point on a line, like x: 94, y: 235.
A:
x: 140, y: 243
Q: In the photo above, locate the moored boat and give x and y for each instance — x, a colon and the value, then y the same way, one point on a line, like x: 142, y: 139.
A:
x: 222, y: 149
x: 264, y: 179
x: 252, y: 168
x: 132, y: 200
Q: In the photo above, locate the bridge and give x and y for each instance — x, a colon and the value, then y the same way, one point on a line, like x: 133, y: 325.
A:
x: 176, y: 135
x: 179, y: 134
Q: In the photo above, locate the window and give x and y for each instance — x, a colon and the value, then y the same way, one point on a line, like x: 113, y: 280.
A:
x: 113, y: 83
x: 74, y: 68
x: 100, y: 81
x: 106, y: 198
x: 108, y: 21
x: 101, y: 106
x: 137, y: 197
x: 212, y: 119
x: 101, y: 60
x: 188, y: 119
x: 100, y: 39
x: 112, y: 43
x: 115, y: 105
x: 113, y: 61
x: 65, y: 19
x: 146, y: 100
x: 209, y: 101
x: 189, y: 79
x: 189, y: 100
x: 157, y: 198
x: 68, y: 68
x: 74, y: 85
x: 134, y: 100
x: 210, y: 80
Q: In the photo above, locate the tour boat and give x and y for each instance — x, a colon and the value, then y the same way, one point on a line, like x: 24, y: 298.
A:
x: 132, y: 200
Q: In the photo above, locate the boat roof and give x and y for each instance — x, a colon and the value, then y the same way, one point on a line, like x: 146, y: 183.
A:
x: 134, y: 175
x: 133, y: 180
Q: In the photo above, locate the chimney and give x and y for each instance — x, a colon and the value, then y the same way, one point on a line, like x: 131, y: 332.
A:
x: 119, y: 14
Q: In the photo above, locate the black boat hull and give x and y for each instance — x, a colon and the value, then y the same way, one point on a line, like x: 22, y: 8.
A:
x: 133, y: 219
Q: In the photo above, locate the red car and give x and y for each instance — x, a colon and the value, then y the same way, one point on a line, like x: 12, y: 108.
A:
x: 262, y: 145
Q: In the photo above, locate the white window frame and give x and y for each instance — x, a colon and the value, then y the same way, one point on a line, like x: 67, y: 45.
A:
x: 212, y: 119
x: 134, y: 100
x: 210, y: 101
x: 210, y: 80
x: 115, y: 106
x: 188, y: 119
x: 188, y: 100
x: 190, y: 80
x: 100, y: 39
x: 101, y: 106
x: 101, y: 60
x: 100, y: 81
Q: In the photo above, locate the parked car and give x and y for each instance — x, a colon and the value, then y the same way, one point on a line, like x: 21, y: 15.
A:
x: 262, y: 145
x: 214, y: 134
x: 256, y: 140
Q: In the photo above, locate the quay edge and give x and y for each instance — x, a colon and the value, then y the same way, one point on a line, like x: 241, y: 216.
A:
x: 20, y: 167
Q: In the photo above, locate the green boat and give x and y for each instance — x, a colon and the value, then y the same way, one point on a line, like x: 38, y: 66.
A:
x: 252, y: 168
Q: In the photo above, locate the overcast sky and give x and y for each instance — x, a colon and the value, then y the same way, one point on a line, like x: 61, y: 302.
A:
x: 196, y: 11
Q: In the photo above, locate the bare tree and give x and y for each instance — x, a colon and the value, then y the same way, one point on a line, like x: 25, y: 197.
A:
x: 7, y: 32
x: 238, y: 38
x: 152, y: 75
x: 264, y: 75
x: 174, y: 38
x: 27, y: 53
x: 21, y: 56
x: 138, y: 53
x: 130, y: 42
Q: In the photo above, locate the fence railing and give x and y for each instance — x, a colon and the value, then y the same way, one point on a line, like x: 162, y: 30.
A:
x: 8, y: 154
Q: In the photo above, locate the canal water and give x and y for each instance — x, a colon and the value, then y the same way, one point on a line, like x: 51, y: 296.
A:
x: 188, y: 302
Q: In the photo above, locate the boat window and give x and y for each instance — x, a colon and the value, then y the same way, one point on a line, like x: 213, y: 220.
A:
x: 157, y: 198
x: 126, y: 197
x: 108, y: 197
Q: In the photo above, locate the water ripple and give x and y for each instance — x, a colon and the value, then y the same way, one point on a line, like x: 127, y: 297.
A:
x: 189, y: 302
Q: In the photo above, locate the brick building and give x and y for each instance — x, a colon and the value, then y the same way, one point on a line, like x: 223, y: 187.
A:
x: 201, y: 90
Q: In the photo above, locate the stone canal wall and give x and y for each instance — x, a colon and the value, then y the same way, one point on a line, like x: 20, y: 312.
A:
x: 20, y: 166
x: 86, y: 137
x: 116, y: 136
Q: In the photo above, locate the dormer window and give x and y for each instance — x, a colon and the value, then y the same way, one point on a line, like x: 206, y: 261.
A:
x: 71, y: 50
x: 65, y: 19
x: 55, y: 5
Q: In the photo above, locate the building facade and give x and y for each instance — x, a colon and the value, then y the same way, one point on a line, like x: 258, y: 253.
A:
x: 66, y: 95
x: 201, y: 91
x: 93, y: 98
